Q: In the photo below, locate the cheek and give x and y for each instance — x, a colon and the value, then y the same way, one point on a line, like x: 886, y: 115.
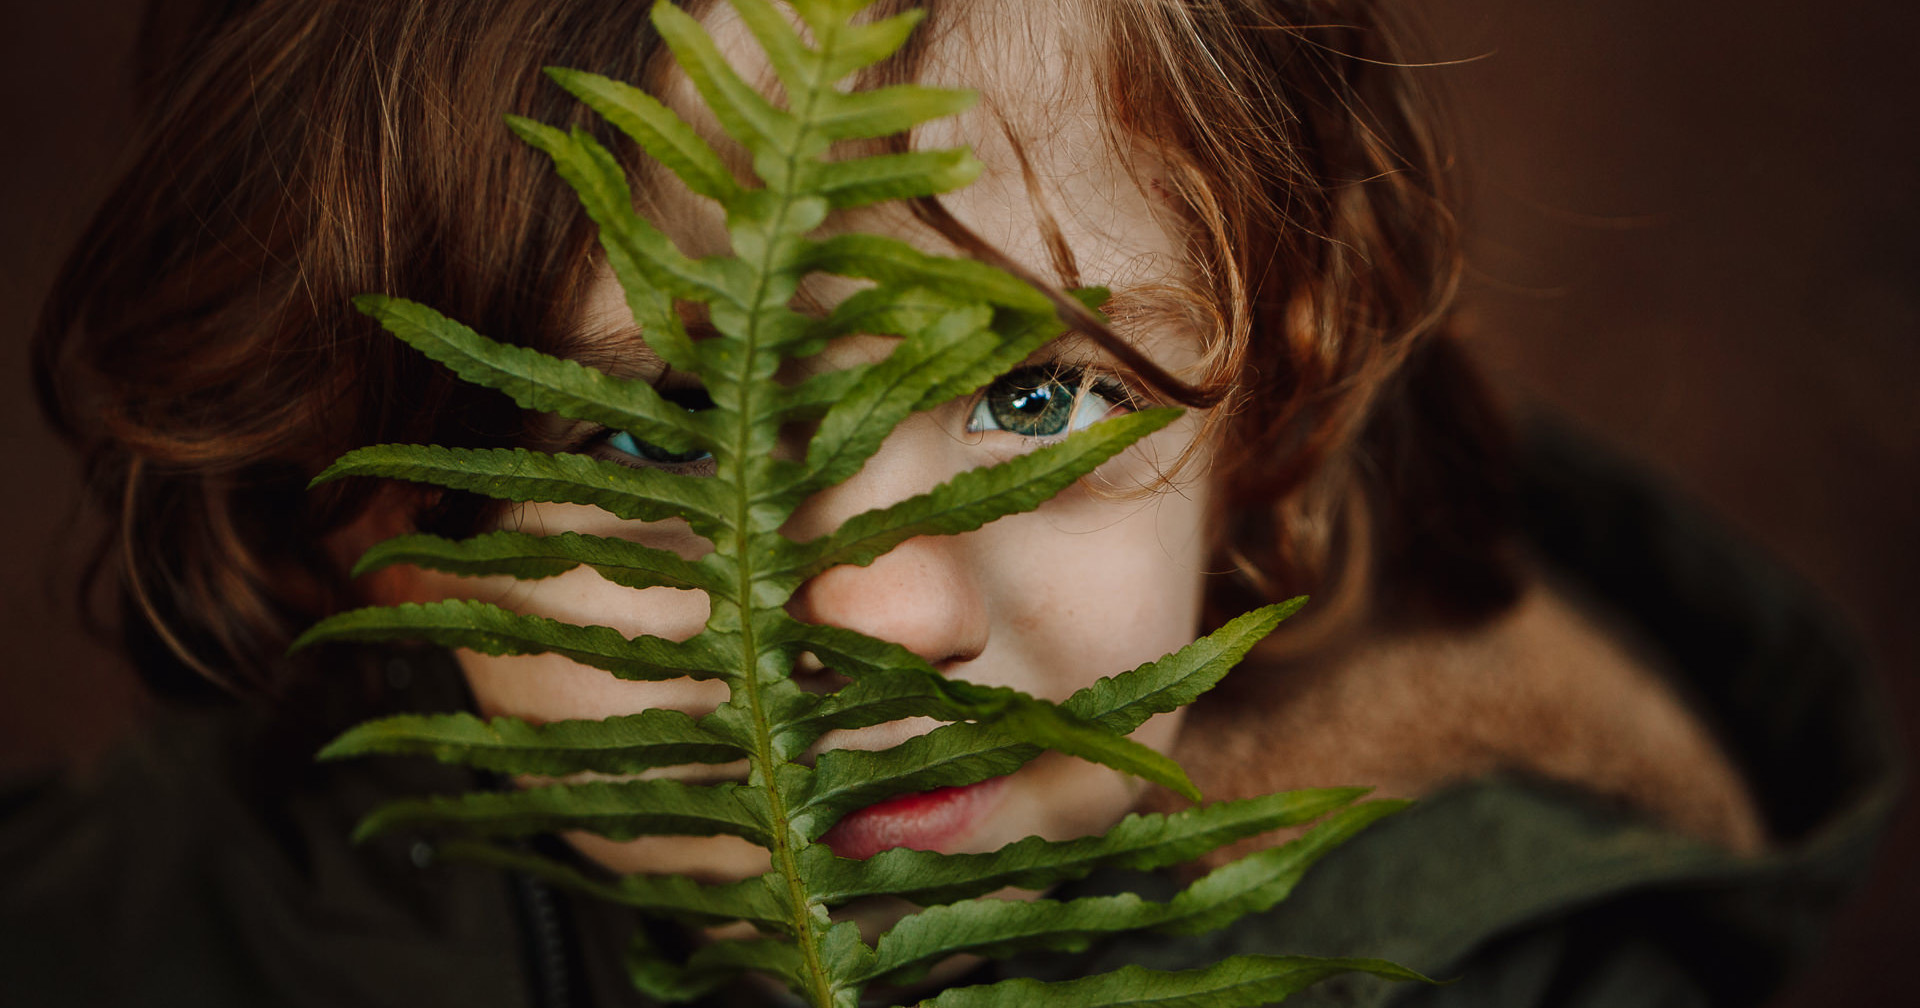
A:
x: 1094, y: 585
x: 548, y: 687
x: 714, y: 859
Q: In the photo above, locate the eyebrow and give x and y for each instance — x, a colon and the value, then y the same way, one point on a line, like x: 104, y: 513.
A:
x: 622, y: 350
x: 618, y: 350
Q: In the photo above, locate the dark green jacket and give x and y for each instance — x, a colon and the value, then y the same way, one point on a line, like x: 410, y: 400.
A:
x: 210, y: 866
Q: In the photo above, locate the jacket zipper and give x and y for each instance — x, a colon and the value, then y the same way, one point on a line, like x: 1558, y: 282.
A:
x: 546, y: 945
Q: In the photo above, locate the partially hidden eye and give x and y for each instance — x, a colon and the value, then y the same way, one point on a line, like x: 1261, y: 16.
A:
x: 623, y: 447
x: 1045, y: 402
x: 626, y: 444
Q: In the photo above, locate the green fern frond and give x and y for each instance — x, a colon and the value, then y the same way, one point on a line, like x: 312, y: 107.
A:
x: 960, y: 324
x: 1136, y: 843
x: 532, y: 557
x: 617, y: 745
x: 617, y: 810
x: 993, y: 927
x: 489, y: 629
x: 1238, y: 980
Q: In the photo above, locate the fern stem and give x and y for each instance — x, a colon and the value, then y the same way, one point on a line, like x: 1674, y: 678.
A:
x: 767, y: 763
x: 805, y: 926
x: 783, y: 853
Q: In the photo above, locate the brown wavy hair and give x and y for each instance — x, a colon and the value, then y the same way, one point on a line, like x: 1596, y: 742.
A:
x: 200, y: 351
x: 1360, y: 458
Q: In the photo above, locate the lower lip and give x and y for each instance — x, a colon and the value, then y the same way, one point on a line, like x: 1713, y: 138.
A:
x: 924, y: 821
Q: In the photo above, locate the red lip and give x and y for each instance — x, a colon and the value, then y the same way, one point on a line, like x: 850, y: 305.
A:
x: 923, y: 821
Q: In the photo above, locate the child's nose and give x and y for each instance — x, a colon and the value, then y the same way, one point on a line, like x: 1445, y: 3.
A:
x: 920, y: 596
x: 925, y: 594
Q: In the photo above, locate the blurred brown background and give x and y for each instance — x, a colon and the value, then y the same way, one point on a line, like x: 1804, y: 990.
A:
x: 1696, y: 228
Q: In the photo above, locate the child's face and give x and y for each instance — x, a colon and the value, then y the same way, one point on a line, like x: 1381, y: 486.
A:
x: 1093, y: 583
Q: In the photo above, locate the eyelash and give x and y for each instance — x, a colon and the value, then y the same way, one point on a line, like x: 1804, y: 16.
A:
x: 984, y: 415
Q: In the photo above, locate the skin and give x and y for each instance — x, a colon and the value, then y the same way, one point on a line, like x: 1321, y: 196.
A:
x: 1105, y: 576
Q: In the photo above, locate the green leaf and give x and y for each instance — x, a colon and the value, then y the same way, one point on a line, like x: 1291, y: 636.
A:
x: 887, y: 110
x: 863, y: 45
x: 852, y: 653
x: 665, y: 981
x: 618, y: 745
x: 905, y: 686
x: 489, y: 629
x: 887, y: 392
x: 1125, y: 702
x: 531, y: 557
x: 1140, y: 842
x: 663, y: 135
x: 675, y: 896
x: 994, y: 927
x: 810, y: 399
x: 538, y: 381
x: 954, y: 348
x: 1237, y: 982
x: 521, y: 475
x: 601, y: 182
x: 845, y: 957
x: 746, y: 116
x: 883, y: 309
x: 901, y: 311
x: 876, y: 698
x: 847, y: 779
x: 778, y: 959
x: 959, y: 754
x: 977, y: 496
x: 788, y: 55
x: 858, y: 656
x: 1264, y: 878
x: 617, y: 810
x: 1059, y: 730
x: 826, y: 17
x: 858, y: 182
x: 745, y: 715
x: 1020, y: 335
x: 894, y: 262
x: 710, y: 968
x: 848, y: 652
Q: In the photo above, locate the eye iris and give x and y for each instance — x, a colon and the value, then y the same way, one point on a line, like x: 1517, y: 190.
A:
x: 1042, y: 410
x: 625, y: 442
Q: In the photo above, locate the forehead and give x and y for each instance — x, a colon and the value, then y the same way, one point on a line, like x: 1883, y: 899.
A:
x: 1041, y: 83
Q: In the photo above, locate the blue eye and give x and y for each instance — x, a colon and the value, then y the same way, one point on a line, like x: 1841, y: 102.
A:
x: 624, y: 448
x: 648, y: 452
x: 1044, y: 402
